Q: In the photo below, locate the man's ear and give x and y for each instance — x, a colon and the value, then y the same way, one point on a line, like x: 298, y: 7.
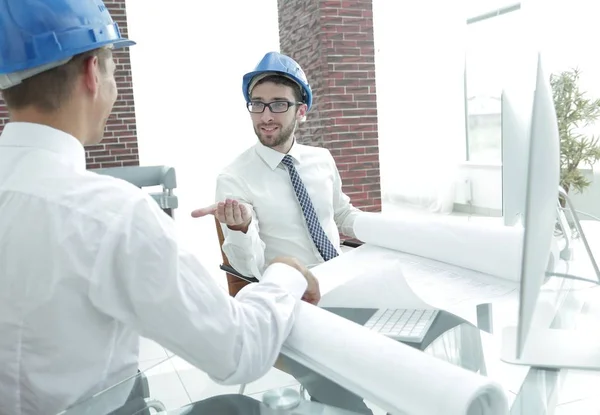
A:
x: 91, y: 74
x: 301, y: 114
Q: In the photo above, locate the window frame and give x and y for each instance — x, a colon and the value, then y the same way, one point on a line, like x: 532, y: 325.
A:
x: 496, y: 12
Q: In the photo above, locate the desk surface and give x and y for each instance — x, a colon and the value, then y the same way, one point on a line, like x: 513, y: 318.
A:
x: 530, y: 390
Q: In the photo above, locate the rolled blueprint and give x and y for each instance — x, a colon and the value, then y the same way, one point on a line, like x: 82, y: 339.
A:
x: 390, y: 374
x: 486, y: 248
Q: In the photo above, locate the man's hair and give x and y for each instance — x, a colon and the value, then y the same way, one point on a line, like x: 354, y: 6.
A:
x: 49, y: 90
x: 283, y: 80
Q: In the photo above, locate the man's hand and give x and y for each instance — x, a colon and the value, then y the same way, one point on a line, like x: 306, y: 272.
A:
x: 232, y: 213
x: 312, y: 294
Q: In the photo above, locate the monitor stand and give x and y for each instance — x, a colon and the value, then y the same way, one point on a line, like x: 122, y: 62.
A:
x: 556, y: 348
x: 553, y: 349
x: 573, y: 212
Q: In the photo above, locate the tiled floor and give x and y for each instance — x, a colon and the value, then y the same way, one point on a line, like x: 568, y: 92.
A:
x: 579, y: 394
x: 589, y: 406
x: 175, y: 382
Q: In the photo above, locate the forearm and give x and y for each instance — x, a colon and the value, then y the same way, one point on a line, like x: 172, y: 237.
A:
x: 234, y: 340
x: 245, y: 250
x: 345, y: 220
x: 164, y: 293
x: 345, y: 213
x: 243, y: 247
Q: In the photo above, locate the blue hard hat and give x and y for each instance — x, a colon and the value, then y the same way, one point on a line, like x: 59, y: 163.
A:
x: 38, y: 33
x: 281, y: 64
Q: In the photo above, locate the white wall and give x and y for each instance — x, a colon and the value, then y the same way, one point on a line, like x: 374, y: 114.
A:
x: 420, y: 99
x: 485, y: 185
x: 187, y: 72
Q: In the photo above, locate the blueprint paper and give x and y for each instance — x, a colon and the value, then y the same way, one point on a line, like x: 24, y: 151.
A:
x: 369, y: 277
x: 375, y: 277
x: 488, y: 249
x: 439, y: 283
x: 392, y: 375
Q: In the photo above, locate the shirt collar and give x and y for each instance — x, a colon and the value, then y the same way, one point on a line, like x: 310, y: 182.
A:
x: 273, y: 157
x: 24, y: 134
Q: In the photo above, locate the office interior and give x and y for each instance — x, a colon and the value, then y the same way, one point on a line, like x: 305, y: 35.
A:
x: 432, y: 143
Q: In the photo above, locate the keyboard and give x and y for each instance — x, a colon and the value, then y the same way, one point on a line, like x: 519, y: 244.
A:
x: 405, y: 325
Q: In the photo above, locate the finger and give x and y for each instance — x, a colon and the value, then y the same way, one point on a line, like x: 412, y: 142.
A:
x: 313, y: 296
x: 237, y: 213
x: 245, y: 213
x: 317, y: 298
x: 309, y: 298
x: 315, y: 291
x: 209, y: 210
x: 220, y: 213
x: 229, y: 212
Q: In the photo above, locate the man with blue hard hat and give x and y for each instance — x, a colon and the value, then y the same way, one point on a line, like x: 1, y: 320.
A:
x: 88, y: 263
x: 280, y: 196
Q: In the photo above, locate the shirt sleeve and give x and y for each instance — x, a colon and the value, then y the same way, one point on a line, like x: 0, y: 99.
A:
x: 344, y: 213
x: 145, y: 280
x: 245, y: 251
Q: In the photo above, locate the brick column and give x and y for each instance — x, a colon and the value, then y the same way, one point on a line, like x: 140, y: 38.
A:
x: 333, y: 42
x: 119, y: 147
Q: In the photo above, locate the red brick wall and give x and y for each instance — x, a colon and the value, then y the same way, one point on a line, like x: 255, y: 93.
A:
x: 119, y: 147
x: 333, y: 42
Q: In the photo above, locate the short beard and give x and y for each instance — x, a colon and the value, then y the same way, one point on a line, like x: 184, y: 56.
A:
x: 284, y: 135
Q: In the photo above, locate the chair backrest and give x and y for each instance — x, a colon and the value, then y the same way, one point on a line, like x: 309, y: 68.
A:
x: 144, y: 176
x: 234, y: 284
x: 149, y: 176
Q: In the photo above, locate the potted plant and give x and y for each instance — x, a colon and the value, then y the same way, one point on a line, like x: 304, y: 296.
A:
x: 574, y: 112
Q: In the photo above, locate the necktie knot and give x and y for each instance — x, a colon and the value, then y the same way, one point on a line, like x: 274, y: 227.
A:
x: 288, y: 161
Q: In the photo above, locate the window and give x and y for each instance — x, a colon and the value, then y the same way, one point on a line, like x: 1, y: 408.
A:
x: 492, y: 38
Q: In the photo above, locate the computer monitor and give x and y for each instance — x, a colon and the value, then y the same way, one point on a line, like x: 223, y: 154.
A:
x: 541, y: 194
x: 516, y: 113
x: 542, y: 346
x: 517, y: 104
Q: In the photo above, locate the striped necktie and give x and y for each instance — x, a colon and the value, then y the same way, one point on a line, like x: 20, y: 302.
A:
x: 322, y: 242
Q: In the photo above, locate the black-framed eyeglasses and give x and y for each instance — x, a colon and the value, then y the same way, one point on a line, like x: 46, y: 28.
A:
x: 256, y: 107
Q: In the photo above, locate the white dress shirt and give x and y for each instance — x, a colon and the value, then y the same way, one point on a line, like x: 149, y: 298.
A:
x: 259, y: 179
x: 88, y: 263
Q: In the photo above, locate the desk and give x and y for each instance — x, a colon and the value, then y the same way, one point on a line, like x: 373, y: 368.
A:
x: 560, y: 305
x: 530, y: 391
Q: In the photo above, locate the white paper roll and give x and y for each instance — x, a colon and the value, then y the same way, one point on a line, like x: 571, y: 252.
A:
x: 392, y: 375
x: 489, y: 249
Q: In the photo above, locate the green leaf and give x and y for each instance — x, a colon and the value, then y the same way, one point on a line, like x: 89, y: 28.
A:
x: 574, y: 111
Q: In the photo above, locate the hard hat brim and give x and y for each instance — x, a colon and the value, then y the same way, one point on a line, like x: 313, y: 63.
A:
x: 248, y: 78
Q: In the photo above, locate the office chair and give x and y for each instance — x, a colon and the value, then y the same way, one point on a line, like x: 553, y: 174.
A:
x: 147, y: 176
x: 234, y: 283
x: 139, y: 401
